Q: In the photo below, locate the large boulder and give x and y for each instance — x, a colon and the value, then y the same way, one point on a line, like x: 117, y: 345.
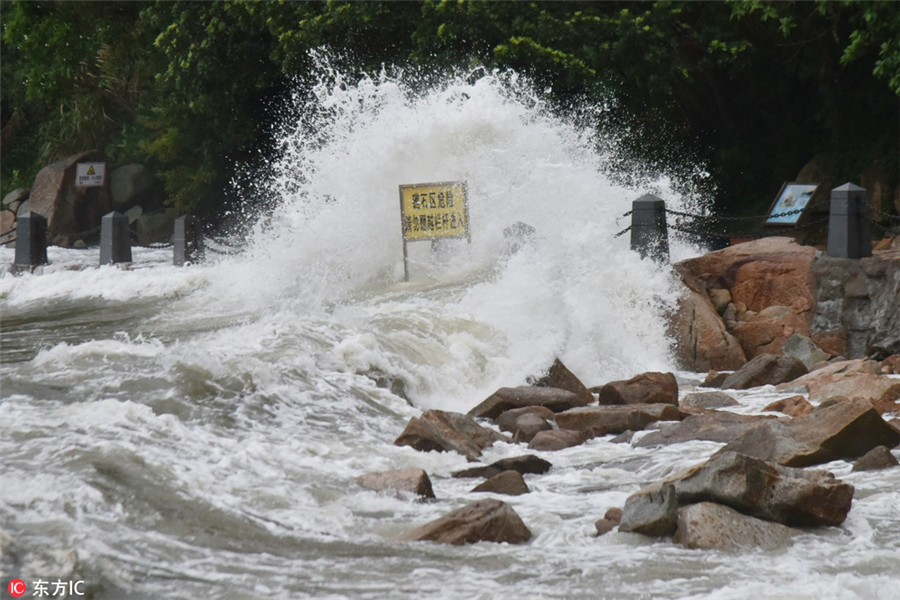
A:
x: 752, y: 486
x: 767, y: 331
x: 560, y: 377
x: 72, y: 213
x: 645, y: 388
x: 851, y: 379
x: 413, y: 481
x: 129, y: 185
x: 483, y: 521
x: 600, y: 420
x: 840, y: 429
x: 508, y: 398
x: 706, y: 400
x: 765, y: 369
x: 447, y: 431
x: 715, y: 426
x: 708, y: 525
x: 702, y: 341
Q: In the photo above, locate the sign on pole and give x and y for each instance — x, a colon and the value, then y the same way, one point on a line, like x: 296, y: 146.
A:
x: 430, y: 211
x: 92, y: 174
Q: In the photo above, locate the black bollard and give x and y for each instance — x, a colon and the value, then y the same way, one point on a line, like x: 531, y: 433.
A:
x: 31, y: 241
x: 848, y: 223
x: 649, y: 233
x: 187, y: 241
x: 115, y: 239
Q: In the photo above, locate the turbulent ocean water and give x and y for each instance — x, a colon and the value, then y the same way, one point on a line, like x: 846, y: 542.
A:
x: 196, y: 432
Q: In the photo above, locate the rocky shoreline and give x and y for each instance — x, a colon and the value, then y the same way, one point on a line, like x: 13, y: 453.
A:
x: 752, y: 317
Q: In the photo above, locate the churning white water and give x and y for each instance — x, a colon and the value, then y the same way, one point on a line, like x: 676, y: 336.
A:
x: 196, y: 432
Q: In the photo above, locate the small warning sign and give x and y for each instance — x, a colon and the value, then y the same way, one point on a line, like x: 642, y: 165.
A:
x: 90, y: 174
x: 434, y: 210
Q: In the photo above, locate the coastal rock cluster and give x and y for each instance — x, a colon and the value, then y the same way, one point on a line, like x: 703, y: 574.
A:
x: 756, y: 490
x: 764, y: 313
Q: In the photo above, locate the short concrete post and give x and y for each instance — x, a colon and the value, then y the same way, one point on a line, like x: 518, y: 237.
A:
x: 115, y: 239
x: 187, y: 241
x: 31, y: 241
x: 848, y: 223
x: 649, y: 233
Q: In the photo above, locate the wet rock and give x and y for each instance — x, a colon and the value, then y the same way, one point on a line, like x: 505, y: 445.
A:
x: 557, y: 439
x: 795, y: 406
x: 707, y: 400
x: 833, y: 430
x: 412, y: 480
x: 806, y: 350
x: 646, y: 388
x: 483, y: 521
x: 708, y: 525
x: 507, y: 420
x: 560, y: 377
x: 508, y: 398
x: 876, y: 458
x: 651, y: 511
x: 762, y: 489
x: 765, y: 369
x: 715, y: 379
x: 610, y: 521
x: 767, y: 331
x: 72, y: 212
x: 716, y: 426
x: 851, y: 379
x: 702, y: 340
x: 891, y: 364
x: 528, y: 426
x: 600, y: 420
x: 447, y: 431
x: 510, y: 483
x: 528, y: 463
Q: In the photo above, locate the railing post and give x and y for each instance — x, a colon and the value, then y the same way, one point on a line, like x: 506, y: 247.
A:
x: 115, y: 239
x: 31, y: 240
x: 186, y: 241
x: 848, y: 223
x: 649, y: 233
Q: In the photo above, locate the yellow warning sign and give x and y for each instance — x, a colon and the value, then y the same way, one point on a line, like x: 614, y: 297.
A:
x: 90, y: 174
x: 434, y: 210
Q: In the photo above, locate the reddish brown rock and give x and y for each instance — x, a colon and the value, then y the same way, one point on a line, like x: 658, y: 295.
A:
x: 527, y: 463
x: 508, y: 398
x: 610, y: 521
x: 852, y: 379
x: 557, y: 439
x: 715, y: 426
x: 483, y: 521
x: 414, y: 481
x: 646, y: 388
x: 834, y: 430
x: 528, y: 426
x: 892, y: 363
x: 600, y: 420
x: 506, y: 421
x: 765, y: 369
x: 876, y: 458
x: 703, y: 400
x: 795, y: 406
x: 702, y: 340
x: 708, y: 525
x: 833, y: 342
x: 769, y: 330
x: 447, y: 431
x: 560, y: 377
x: 510, y: 483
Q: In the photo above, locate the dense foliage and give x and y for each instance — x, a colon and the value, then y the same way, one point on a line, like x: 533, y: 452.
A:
x: 754, y: 90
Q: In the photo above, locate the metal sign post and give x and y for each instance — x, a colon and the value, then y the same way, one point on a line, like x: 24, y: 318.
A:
x: 431, y: 211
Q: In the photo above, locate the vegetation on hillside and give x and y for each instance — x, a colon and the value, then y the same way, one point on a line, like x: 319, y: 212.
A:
x: 753, y: 90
